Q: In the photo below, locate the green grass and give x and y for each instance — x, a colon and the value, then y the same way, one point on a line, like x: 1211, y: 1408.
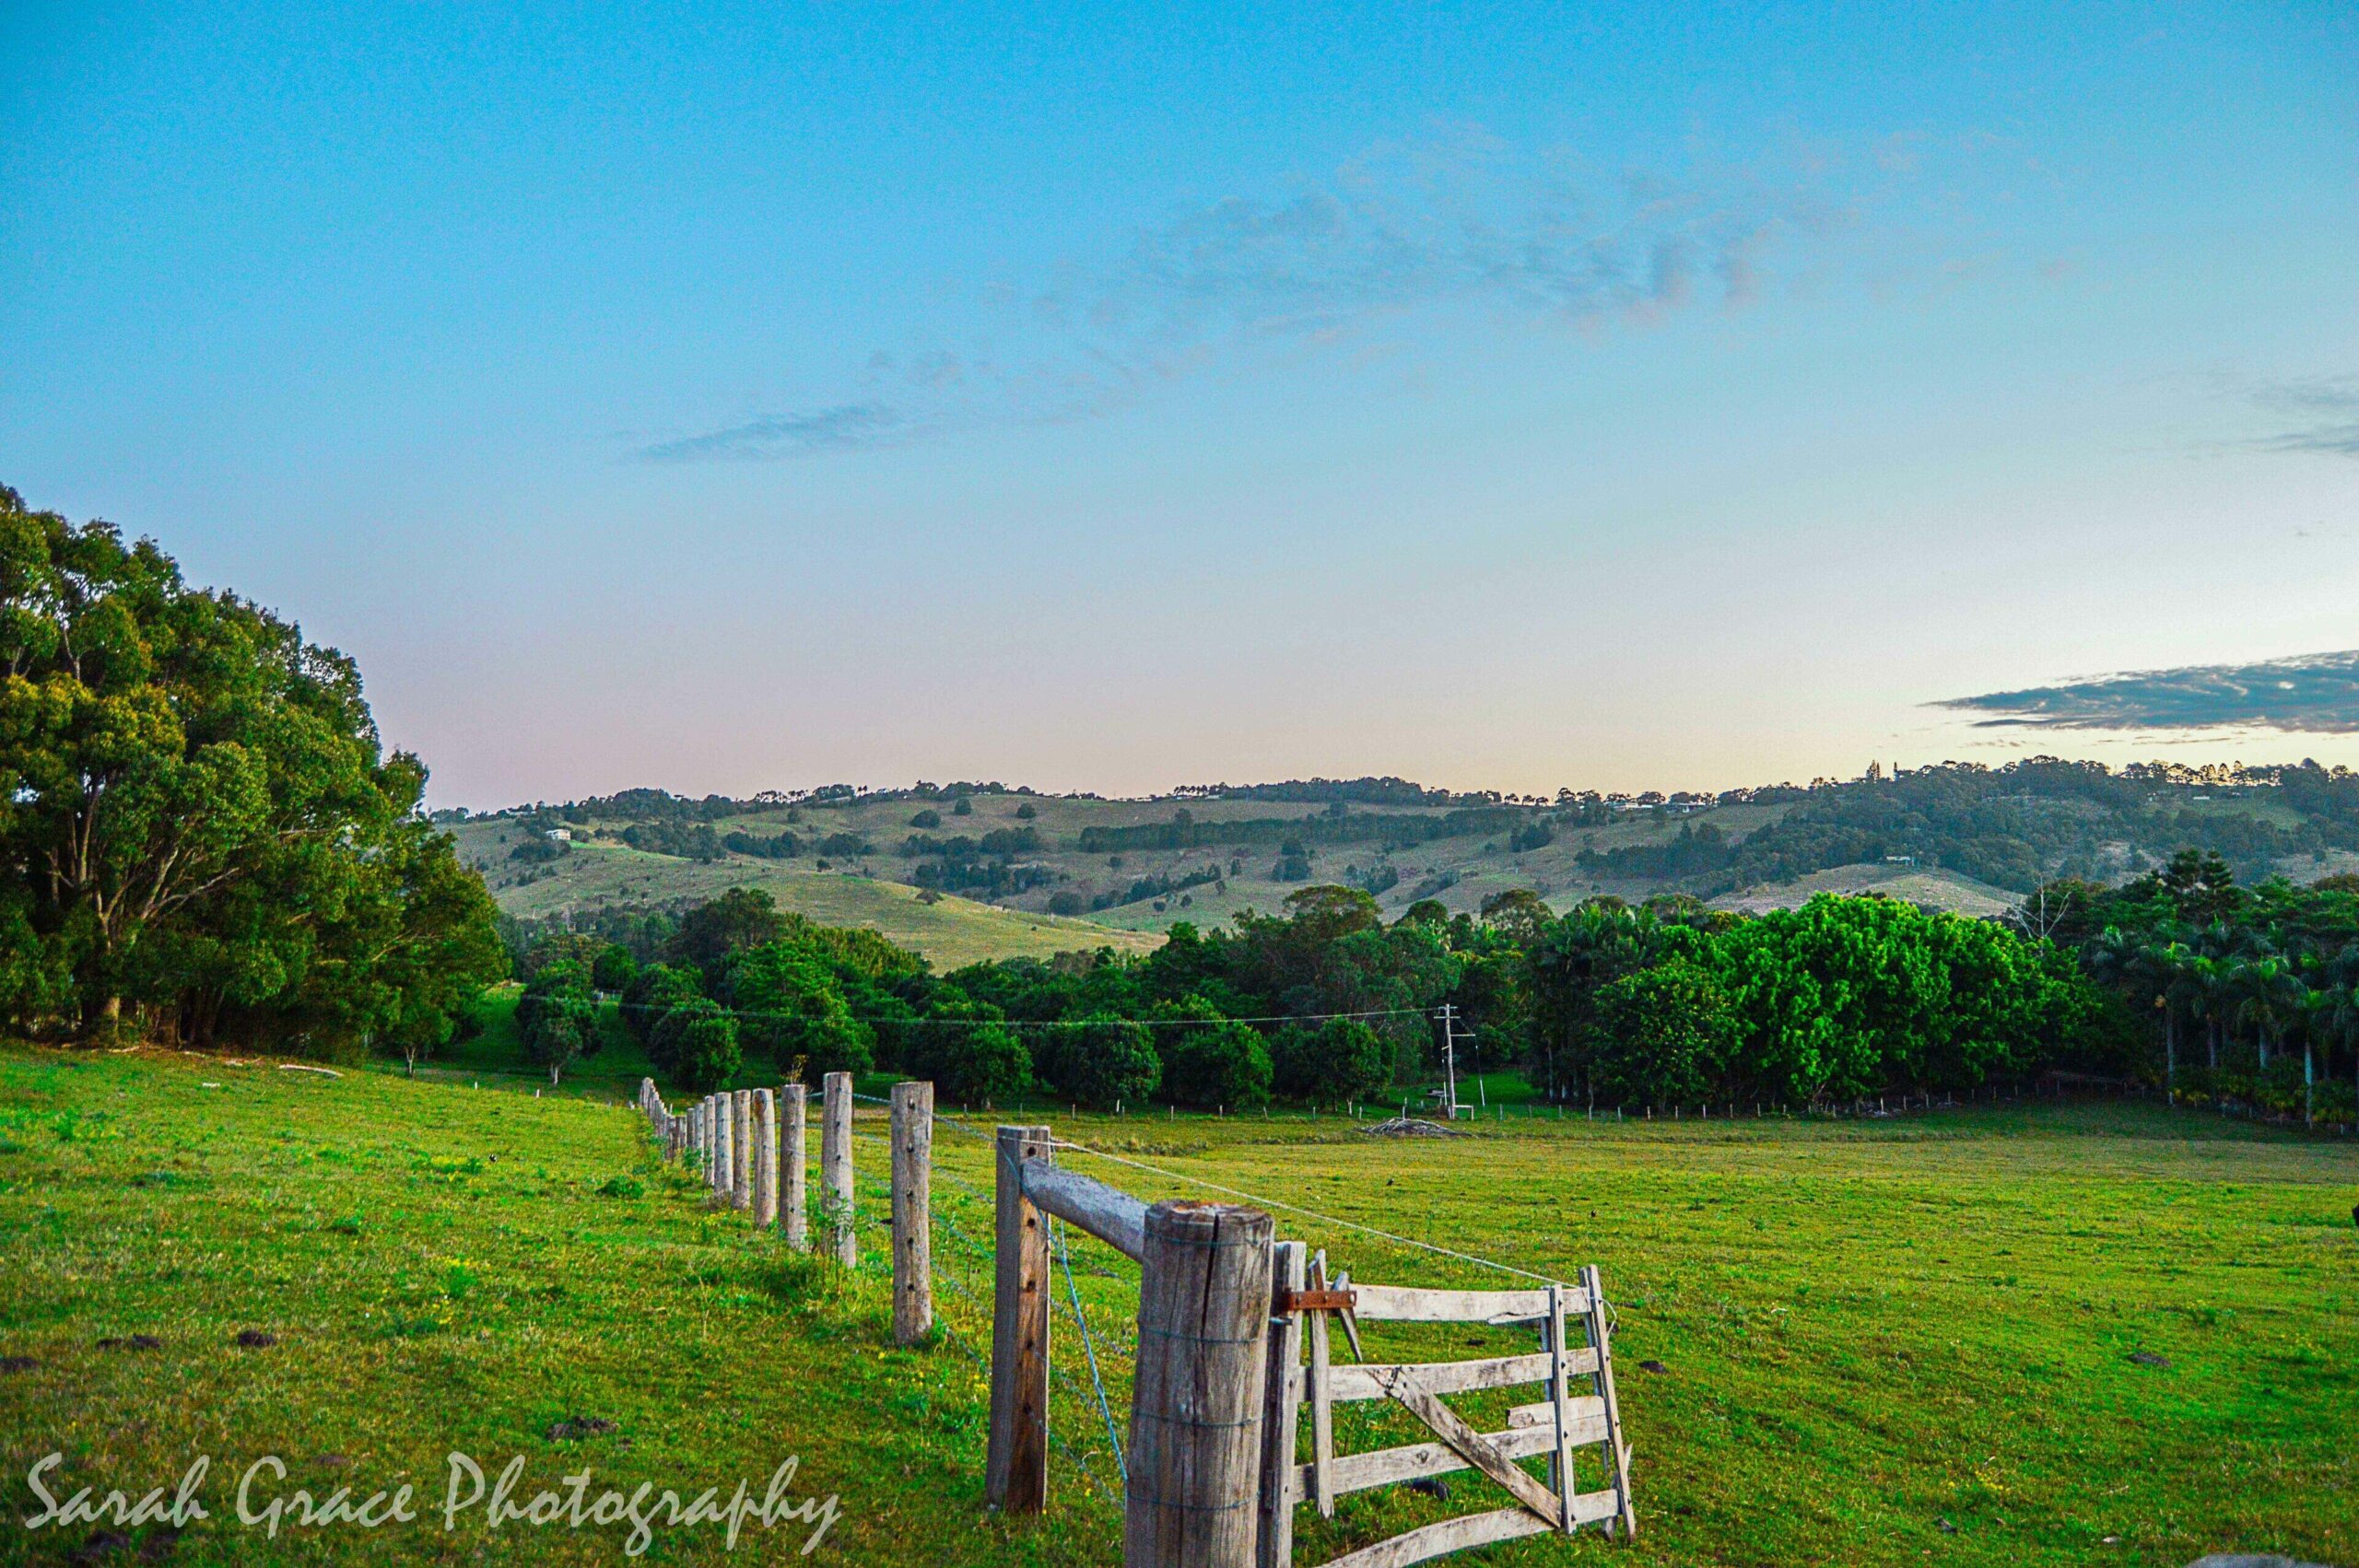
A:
x: 949, y: 931
x: 600, y: 872
x: 1892, y: 1341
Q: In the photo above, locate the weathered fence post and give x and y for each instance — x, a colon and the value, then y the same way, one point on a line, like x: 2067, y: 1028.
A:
x: 1016, y: 1478
x: 741, y: 1176
x: 912, y: 1217
x: 765, y: 1159
x: 1281, y: 1409
x: 1617, y: 1453
x: 724, y: 1150
x: 794, y: 1151
x: 835, y: 1168
x: 1196, y: 1398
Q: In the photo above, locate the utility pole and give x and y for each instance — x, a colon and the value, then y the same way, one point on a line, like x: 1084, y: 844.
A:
x: 1450, y: 1061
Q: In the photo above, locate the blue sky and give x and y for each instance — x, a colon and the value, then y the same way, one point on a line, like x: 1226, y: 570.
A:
x: 1111, y: 398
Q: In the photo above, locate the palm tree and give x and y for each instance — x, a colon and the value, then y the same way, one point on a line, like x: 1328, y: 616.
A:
x: 2146, y: 973
x: 2173, y: 966
x: 2339, y: 1015
x: 2219, y: 951
x: 2268, y: 995
x: 2319, y: 1009
x: 2209, y: 976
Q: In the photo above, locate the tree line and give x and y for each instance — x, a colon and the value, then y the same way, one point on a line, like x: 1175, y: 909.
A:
x: 1669, y: 1003
x: 2012, y: 826
x: 2249, y: 995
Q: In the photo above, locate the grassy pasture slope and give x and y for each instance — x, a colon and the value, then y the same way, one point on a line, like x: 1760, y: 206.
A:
x: 601, y: 871
x: 950, y: 933
x: 1869, y: 1328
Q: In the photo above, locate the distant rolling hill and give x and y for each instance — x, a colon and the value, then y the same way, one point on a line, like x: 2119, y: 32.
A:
x: 949, y: 932
x: 1025, y: 873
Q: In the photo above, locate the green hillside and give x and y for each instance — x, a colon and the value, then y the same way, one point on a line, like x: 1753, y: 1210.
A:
x: 949, y: 931
x: 1015, y: 865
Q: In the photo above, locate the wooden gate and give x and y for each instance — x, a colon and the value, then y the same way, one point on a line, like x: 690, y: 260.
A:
x: 1309, y: 1313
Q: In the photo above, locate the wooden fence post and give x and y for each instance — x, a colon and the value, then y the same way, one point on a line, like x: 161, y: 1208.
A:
x: 794, y: 1153
x: 835, y: 1168
x: 912, y: 1212
x: 741, y: 1174
x: 724, y: 1150
x: 1282, y: 1409
x: 1016, y: 1478
x: 1196, y: 1398
x: 765, y: 1159
x: 1617, y: 1453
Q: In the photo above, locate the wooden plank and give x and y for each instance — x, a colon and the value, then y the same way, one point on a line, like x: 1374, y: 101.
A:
x: 1578, y: 1408
x: 1439, y: 1540
x: 1322, y: 1404
x: 1015, y: 1471
x: 1398, y: 1303
x: 1365, y: 1382
x: 1281, y: 1410
x: 1111, y: 1215
x: 1617, y: 1452
x: 1452, y: 1429
x: 1560, y: 1460
x: 1351, y: 1318
x: 1193, y: 1499
x: 1393, y: 1466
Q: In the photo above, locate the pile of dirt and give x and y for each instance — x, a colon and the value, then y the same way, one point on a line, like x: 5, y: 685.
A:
x: 1412, y: 1127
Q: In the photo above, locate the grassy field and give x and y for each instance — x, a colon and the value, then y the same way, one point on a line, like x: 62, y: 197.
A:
x: 1890, y: 1341
x: 949, y: 931
x: 1460, y: 872
x: 1930, y: 885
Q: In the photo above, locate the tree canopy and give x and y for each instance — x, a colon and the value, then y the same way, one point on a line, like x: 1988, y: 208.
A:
x: 201, y: 833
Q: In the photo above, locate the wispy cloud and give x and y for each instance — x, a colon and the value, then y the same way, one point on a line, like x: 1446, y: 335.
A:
x: 2316, y: 692
x: 784, y: 435
x: 1459, y: 225
x: 2323, y: 410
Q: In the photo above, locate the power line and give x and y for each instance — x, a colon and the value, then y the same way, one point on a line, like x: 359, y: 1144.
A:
x: 1306, y: 1213
x: 1058, y: 1022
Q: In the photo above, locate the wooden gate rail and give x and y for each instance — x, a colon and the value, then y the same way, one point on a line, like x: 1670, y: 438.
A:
x: 1555, y: 1426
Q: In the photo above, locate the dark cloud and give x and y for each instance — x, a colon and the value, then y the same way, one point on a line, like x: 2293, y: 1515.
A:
x: 2326, y: 412
x: 1456, y: 226
x: 2317, y: 692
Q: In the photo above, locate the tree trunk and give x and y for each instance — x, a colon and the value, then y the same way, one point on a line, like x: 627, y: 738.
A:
x: 101, y: 1016
x: 2170, y: 1050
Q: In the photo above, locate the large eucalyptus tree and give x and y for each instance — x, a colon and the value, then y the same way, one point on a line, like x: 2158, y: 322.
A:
x: 197, y: 815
